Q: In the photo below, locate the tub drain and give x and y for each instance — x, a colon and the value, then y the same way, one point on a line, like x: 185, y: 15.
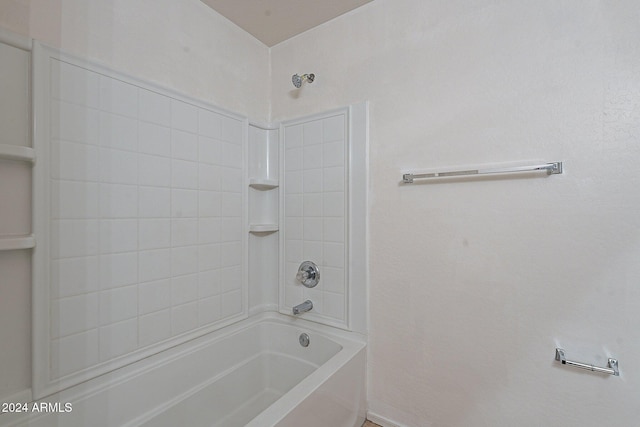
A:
x: 304, y: 340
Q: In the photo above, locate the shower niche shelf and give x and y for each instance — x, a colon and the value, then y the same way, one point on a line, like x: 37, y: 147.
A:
x: 263, y: 228
x: 263, y: 184
x: 263, y: 180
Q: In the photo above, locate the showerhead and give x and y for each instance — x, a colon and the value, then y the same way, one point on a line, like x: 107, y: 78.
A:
x: 297, y: 80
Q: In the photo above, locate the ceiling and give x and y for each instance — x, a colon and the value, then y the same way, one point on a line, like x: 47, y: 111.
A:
x: 273, y: 21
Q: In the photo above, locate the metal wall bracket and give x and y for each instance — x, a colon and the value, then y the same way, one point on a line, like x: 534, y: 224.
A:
x: 611, y: 369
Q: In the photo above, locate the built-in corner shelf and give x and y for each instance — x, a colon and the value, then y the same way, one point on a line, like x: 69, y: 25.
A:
x: 263, y: 228
x: 17, y: 152
x: 17, y: 242
x: 263, y: 184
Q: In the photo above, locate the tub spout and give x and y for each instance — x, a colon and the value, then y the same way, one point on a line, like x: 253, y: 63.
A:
x: 304, y: 307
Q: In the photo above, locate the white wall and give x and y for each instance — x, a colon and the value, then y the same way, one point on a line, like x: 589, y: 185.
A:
x: 473, y: 284
x: 182, y: 44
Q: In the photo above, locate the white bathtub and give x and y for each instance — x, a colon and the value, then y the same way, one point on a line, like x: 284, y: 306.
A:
x: 254, y: 373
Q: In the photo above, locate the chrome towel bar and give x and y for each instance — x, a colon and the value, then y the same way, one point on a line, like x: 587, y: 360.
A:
x: 550, y: 168
x: 611, y: 369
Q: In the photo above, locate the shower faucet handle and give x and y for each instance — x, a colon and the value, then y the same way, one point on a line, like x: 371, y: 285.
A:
x: 308, y: 274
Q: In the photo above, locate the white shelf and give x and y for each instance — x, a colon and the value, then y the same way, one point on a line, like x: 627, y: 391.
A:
x: 263, y: 184
x: 17, y: 152
x: 263, y: 228
x: 17, y: 242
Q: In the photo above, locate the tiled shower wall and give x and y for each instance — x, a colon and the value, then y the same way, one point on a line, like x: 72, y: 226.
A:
x: 315, y: 215
x: 146, y: 218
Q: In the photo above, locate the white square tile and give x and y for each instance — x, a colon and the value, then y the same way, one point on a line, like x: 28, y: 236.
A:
x: 209, y: 177
x: 231, y: 204
x: 230, y: 254
x: 74, y: 200
x: 231, y: 180
x: 184, y: 318
x: 154, y: 327
x: 209, y: 203
x: 118, y: 339
x: 74, y: 276
x: 208, y: 257
x: 154, y: 139
x: 312, y: 132
x: 334, y: 128
x: 231, y: 230
x: 118, y: 132
x: 74, y: 353
x: 291, y: 270
x: 118, y: 235
x: 209, y: 123
x: 293, y: 295
x: 312, y: 156
x: 333, y: 279
x: 118, y: 270
x: 312, y: 205
x: 293, y: 205
x: 333, y: 305
x: 154, y: 171
x: 312, y: 181
x: 118, y: 97
x: 209, y: 150
x: 231, y: 278
x: 231, y: 303
x: 293, y: 228
x: 118, y: 201
x: 154, y: 233
x: 184, y: 174
x: 184, y: 289
x: 334, y: 255
x: 74, y: 238
x: 293, y: 250
x: 184, y: 260
x: 184, y: 203
x: 209, y: 310
x: 184, y: 232
x: 315, y: 295
x: 312, y: 251
x: 154, y: 265
x: 231, y: 130
x: 118, y: 167
x: 333, y: 179
x: 231, y: 155
x: 154, y: 107
x: 184, y: 116
x: 118, y: 304
x: 312, y: 228
x: 74, y: 123
x: 293, y: 182
x: 74, y: 314
x: 209, y: 230
x: 74, y: 161
x: 184, y: 145
x: 293, y: 136
x: 333, y: 204
x: 154, y: 202
x: 333, y: 230
x: 75, y: 84
x: 208, y: 283
x: 154, y: 296
x: 293, y: 159
x: 333, y: 154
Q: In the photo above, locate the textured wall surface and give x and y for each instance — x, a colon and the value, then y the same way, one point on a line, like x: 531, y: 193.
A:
x: 183, y: 45
x: 474, y: 283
